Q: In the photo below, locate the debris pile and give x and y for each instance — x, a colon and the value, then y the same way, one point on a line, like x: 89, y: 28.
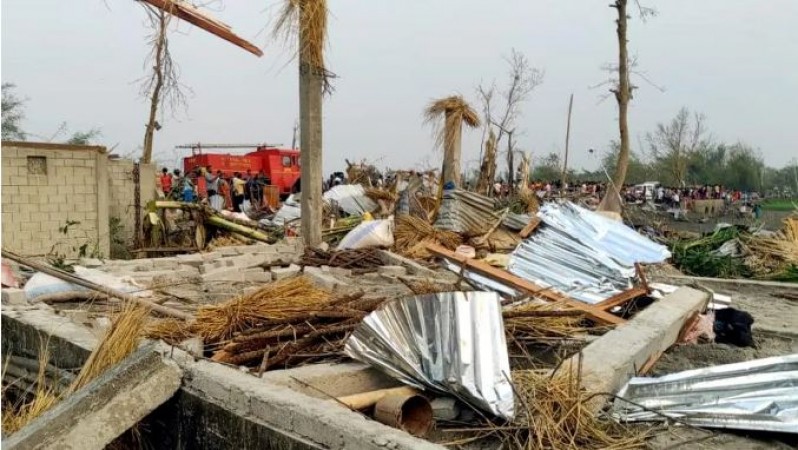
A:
x: 737, y: 252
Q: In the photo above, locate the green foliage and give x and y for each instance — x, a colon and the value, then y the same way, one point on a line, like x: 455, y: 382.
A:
x: 549, y: 168
x: 84, y: 137
x: 698, y: 258
x: 13, y: 113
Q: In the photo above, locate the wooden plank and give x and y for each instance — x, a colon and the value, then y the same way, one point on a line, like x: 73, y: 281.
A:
x: 642, y: 276
x: 523, y: 285
x: 530, y: 227
x: 621, y: 298
x: 202, y: 20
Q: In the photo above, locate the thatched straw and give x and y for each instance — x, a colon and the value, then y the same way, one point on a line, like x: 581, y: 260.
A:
x: 455, y: 111
x: 280, y: 300
x: 412, y: 234
x: 171, y: 331
x: 120, y: 340
x: 44, y: 397
x: 554, y: 414
x: 487, y: 168
x: 305, y: 22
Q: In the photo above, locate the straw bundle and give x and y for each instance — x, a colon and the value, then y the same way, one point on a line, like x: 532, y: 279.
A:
x: 171, y: 331
x: 119, y: 341
x: 553, y: 413
x: 16, y: 416
x: 283, y: 299
x: 412, y: 234
x: 381, y: 194
x: 315, y: 335
x: 538, y: 322
x: 455, y: 111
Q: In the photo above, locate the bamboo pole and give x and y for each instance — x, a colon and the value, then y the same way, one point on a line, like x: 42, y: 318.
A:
x: 61, y: 275
x: 364, y: 400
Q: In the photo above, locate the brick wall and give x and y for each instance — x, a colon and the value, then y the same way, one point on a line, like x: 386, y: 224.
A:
x: 46, y: 185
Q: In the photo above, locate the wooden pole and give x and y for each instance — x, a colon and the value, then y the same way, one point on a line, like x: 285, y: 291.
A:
x: 74, y: 279
x: 364, y: 400
x: 564, y: 176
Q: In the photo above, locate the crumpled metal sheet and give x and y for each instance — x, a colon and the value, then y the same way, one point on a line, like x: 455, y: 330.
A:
x: 450, y: 342
x: 351, y: 198
x: 517, y: 222
x: 583, y: 254
x: 754, y: 395
x: 466, y: 212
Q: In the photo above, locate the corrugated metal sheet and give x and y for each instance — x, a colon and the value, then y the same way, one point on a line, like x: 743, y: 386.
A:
x: 450, y: 342
x: 466, y: 212
x: 753, y: 395
x: 516, y: 222
x: 583, y: 254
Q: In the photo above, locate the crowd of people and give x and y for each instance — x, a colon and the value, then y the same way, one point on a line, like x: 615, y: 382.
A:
x: 220, y: 191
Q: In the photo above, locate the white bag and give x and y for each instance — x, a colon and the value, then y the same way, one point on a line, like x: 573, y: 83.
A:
x: 374, y: 233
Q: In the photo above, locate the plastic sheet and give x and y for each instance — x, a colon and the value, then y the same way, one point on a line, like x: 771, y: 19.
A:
x: 351, y: 198
x: 754, y: 395
x: 451, y: 343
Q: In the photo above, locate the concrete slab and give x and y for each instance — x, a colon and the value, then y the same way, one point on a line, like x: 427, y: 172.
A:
x: 279, y: 273
x: 105, y: 408
x: 392, y: 271
x: 609, y: 362
x: 14, y: 296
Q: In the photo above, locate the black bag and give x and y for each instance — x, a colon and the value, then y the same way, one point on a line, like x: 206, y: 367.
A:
x: 733, y: 326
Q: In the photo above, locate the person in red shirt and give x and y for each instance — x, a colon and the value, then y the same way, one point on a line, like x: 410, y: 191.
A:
x: 166, y: 182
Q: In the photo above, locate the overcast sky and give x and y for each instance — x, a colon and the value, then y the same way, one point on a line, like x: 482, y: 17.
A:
x: 734, y: 60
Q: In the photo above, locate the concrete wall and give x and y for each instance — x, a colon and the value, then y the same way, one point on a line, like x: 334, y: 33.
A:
x: 45, y: 185
x: 121, y: 193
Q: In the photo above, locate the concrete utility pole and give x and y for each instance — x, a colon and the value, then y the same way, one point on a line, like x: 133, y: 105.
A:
x: 567, y: 141
x: 311, y: 79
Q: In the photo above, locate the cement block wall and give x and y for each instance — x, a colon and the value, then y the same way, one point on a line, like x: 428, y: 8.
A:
x: 121, y: 193
x: 46, y: 185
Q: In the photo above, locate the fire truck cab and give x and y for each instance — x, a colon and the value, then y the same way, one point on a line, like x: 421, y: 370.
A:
x: 280, y: 165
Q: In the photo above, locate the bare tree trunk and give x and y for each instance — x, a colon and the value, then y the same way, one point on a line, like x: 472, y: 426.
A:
x: 510, y: 161
x: 611, y: 200
x: 310, y: 131
x: 155, y: 99
x: 451, y: 152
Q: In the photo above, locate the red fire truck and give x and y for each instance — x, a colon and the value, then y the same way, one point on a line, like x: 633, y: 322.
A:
x: 281, y: 165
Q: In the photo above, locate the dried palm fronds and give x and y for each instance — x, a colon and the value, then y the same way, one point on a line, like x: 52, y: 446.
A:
x: 455, y: 111
x: 283, y: 299
x: 487, y: 168
x: 412, y: 234
x: 421, y: 287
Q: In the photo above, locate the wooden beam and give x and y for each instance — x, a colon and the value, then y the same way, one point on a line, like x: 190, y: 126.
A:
x: 621, y: 298
x: 525, y: 286
x: 194, y: 16
x: 530, y: 227
x: 642, y: 276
